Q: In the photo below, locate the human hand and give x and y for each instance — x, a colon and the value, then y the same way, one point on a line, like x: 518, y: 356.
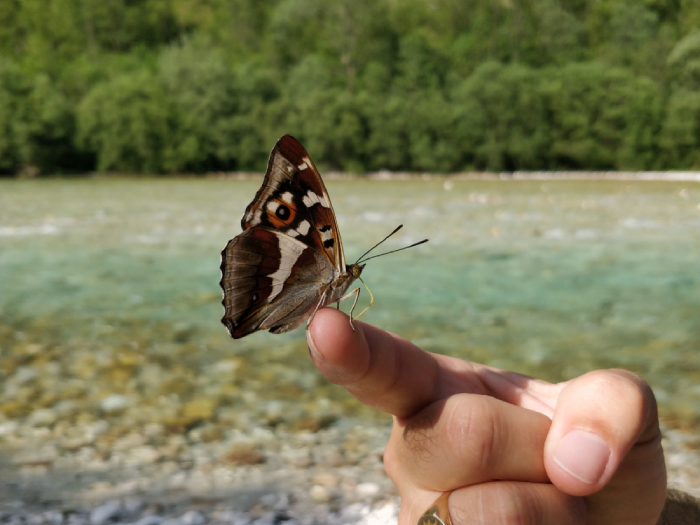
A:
x: 510, y: 448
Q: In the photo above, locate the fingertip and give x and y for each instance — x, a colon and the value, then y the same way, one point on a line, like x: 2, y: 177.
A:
x: 599, y: 418
x: 328, y: 324
x: 337, y: 351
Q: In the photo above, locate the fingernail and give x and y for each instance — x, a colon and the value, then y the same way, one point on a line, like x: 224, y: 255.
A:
x: 583, y: 455
x: 315, y: 354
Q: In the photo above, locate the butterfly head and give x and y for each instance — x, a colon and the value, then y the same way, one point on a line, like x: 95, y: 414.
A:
x: 356, y: 270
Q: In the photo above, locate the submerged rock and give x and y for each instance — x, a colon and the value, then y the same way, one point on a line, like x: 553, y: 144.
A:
x: 106, y: 512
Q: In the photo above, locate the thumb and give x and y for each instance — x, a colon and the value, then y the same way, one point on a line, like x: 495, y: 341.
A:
x: 605, y: 443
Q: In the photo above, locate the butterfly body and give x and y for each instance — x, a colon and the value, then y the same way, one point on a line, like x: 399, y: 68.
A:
x: 288, y: 262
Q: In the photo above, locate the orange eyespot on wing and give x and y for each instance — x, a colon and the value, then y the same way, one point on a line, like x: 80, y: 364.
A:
x: 281, y: 213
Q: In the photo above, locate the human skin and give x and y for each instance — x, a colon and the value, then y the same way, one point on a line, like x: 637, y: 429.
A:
x: 510, y: 447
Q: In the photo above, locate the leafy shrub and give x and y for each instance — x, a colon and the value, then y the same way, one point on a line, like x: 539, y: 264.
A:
x: 13, y: 93
x: 418, y: 85
x: 36, y: 122
x: 680, y: 138
x: 199, y: 85
x: 128, y: 122
x: 501, y: 119
x: 601, y: 117
x: 684, y: 60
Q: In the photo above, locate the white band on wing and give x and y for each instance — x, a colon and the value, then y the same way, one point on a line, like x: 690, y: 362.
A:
x: 311, y: 198
x: 288, y: 257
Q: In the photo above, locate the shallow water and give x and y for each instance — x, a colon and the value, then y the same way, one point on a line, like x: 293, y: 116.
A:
x: 109, y: 284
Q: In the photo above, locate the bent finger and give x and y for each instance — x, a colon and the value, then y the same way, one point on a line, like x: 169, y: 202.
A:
x: 382, y: 369
x: 464, y: 440
x: 390, y: 373
x: 501, y: 502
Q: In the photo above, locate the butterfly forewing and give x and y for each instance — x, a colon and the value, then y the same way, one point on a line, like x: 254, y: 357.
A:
x: 293, y: 200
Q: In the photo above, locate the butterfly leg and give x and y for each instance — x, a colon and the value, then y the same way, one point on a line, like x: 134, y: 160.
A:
x: 356, y: 293
x: 320, y: 302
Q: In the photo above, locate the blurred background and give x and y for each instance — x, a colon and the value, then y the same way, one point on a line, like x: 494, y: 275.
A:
x: 134, y: 133
x: 159, y: 86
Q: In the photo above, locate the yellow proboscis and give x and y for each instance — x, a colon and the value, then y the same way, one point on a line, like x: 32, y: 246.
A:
x: 371, y: 299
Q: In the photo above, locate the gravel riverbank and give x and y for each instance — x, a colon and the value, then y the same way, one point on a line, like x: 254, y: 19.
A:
x: 332, y: 476
x: 325, y: 477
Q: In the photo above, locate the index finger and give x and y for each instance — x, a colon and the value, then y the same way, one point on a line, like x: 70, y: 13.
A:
x: 384, y: 370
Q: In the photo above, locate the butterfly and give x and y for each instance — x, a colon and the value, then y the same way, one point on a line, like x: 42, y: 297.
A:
x: 288, y: 262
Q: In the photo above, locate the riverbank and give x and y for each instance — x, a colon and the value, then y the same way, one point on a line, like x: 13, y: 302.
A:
x: 326, y: 477
x: 331, y: 477
x: 691, y: 176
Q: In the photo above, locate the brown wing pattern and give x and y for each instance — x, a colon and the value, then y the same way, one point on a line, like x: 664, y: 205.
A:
x: 293, y: 200
x: 270, y: 281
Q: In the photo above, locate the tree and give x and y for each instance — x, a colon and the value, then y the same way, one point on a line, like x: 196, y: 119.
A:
x: 601, y: 117
x: 36, y: 123
x: 429, y: 85
x: 501, y: 119
x: 127, y: 122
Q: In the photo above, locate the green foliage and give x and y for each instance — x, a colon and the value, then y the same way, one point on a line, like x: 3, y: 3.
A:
x: 581, y: 116
x: 685, y: 61
x: 501, y: 118
x: 198, y: 83
x: 128, y: 121
x: 157, y: 86
x: 36, y: 122
x: 601, y: 118
x: 681, y: 132
x: 13, y: 93
x: 46, y: 132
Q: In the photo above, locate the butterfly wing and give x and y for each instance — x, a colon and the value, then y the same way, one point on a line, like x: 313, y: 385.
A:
x: 293, y: 200
x: 289, y: 258
x: 270, y: 281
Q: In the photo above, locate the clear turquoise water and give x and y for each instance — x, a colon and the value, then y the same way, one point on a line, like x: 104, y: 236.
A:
x: 551, y: 279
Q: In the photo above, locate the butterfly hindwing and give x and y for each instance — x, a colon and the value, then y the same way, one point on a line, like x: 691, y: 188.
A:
x: 270, y: 281
x: 293, y: 200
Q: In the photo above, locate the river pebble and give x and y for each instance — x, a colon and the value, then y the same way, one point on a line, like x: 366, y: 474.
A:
x: 105, y: 513
x: 191, y: 482
x: 149, y: 520
x: 367, y: 489
x: 120, y: 436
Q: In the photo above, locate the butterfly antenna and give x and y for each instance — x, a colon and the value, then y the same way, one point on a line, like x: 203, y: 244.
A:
x: 394, y: 251
x: 384, y: 239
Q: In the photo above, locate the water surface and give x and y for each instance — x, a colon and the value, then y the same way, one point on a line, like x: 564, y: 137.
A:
x: 115, y: 282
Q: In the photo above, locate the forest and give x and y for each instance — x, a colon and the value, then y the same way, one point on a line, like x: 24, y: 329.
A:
x: 196, y: 86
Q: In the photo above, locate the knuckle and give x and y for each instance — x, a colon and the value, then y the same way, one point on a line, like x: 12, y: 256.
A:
x: 473, y: 429
x: 514, y: 503
x: 625, y: 387
x: 517, y: 507
x: 505, y: 506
